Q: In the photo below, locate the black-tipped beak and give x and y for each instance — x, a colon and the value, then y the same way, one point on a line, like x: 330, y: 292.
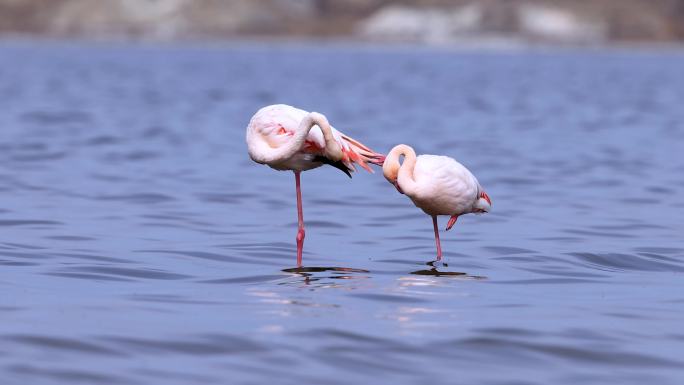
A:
x: 396, y: 185
x: 337, y: 164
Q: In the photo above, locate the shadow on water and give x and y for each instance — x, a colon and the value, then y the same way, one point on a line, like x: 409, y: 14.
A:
x: 433, y: 271
x: 310, y: 274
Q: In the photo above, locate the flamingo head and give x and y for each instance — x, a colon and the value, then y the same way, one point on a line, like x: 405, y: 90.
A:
x: 483, y: 204
x: 392, y: 178
x: 390, y: 172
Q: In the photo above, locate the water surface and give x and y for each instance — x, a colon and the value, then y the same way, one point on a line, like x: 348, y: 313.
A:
x: 140, y: 245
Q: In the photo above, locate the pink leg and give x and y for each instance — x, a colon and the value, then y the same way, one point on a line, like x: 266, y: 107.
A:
x: 439, y: 246
x: 300, y: 218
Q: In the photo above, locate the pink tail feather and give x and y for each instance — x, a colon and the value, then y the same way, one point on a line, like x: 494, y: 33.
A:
x: 362, y: 155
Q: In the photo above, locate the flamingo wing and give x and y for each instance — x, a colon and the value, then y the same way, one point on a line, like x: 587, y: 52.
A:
x: 277, y: 123
x: 353, y: 151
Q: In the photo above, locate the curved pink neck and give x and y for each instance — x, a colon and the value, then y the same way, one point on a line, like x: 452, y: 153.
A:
x: 402, y: 174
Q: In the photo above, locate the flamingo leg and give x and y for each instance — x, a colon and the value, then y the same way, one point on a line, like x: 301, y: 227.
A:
x: 439, y: 246
x: 300, y: 219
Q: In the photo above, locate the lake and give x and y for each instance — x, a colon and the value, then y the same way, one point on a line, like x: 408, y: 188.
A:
x: 139, y: 244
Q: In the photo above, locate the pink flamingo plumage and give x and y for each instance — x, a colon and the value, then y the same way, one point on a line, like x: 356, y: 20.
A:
x: 438, y: 185
x: 287, y: 138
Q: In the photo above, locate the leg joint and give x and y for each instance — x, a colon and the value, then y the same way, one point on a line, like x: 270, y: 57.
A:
x: 300, y: 235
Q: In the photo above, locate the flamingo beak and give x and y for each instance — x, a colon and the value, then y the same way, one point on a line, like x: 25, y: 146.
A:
x: 396, y: 185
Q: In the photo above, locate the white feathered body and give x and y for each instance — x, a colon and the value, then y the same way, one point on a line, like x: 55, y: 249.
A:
x: 277, y: 124
x: 443, y: 186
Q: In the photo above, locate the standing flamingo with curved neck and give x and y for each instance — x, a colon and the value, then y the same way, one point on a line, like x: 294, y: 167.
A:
x: 287, y: 138
x: 438, y: 185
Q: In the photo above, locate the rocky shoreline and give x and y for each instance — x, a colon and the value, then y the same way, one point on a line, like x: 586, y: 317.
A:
x: 415, y: 21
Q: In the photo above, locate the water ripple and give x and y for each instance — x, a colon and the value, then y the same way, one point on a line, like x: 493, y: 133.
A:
x: 64, y: 344
x: 121, y: 272
x: 68, y: 376
x: 624, y: 262
x: 138, y: 198
x: 594, y: 356
x: 203, y: 345
x: 391, y: 298
x: 26, y: 222
x: 203, y: 255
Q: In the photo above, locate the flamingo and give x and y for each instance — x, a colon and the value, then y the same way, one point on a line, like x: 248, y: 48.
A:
x: 438, y: 185
x: 287, y: 138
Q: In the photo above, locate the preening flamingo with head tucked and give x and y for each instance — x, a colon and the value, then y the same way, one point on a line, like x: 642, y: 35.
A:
x: 287, y: 138
x: 438, y: 185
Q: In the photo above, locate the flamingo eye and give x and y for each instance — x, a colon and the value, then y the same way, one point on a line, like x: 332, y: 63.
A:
x: 282, y: 131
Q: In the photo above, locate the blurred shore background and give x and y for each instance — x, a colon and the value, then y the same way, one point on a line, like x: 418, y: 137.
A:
x: 498, y: 22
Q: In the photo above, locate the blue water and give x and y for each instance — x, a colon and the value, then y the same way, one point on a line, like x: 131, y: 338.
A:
x: 140, y: 245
